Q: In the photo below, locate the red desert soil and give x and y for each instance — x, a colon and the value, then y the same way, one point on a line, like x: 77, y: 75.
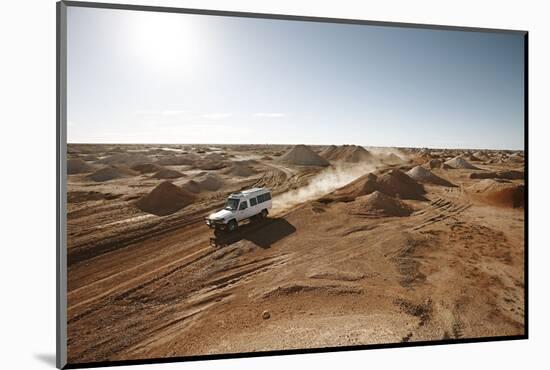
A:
x: 90, y: 158
x: 168, y: 174
x: 144, y: 168
x: 240, y: 169
x: 110, y: 173
x: 125, y: 159
x: 507, y: 175
x: 212, y: 161
x: 165, y: 199
x: 176, y: 160
x: 347, y: 268
x: 76, y: 166
x: 512, y: 196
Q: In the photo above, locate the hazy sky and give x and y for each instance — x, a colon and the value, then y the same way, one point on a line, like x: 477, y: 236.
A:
x: 142, y: 77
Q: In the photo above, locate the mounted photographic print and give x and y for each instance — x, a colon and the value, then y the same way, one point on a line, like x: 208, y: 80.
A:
x: 236, y: 184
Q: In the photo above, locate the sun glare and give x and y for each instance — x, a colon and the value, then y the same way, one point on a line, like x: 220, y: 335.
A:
x: 161, y: 41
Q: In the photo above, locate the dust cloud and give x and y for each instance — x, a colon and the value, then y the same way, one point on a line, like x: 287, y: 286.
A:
x: 335, y: 177
x: 381, y: 152
x: 323, y: 183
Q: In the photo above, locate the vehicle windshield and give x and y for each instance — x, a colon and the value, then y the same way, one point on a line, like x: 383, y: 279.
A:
x: 231, y: 204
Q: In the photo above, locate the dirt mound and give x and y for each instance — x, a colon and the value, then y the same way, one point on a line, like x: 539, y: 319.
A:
x: 461, y: 163
x: 302, y: 155
x: 213, y: 161
x: 498, y: 192
x: 165, y: 199
x: 146, y: 168
x: 178, y: 160
x: 192, y: 187
x: 516, y: 158
x: 511, y: 196
x: 507, y: 175
x: 75, y: 166
x: 393, y: 183
x: 397, y: 183
x: 240, y: 169
x: 111, y: 173
x: 424, y: 152
x: 168, y: 174
x: 421, y: 174
x: 362, y: 186
x: 328, y: 152
x: 210, y: 182
x: 353, y: 154
x: 346, y: 153
x: 379, y: 204
x: 435, y: 163
x: 488, y: 185
x: 480, y: 155
x: 391, y: 158
x: 126, y: 159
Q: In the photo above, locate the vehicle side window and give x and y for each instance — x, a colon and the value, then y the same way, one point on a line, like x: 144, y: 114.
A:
x: 264, y: 197
x: 253, y: 202
x: 243, y: 205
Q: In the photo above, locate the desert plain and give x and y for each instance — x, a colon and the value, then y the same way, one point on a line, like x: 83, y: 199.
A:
x: 363, y: 246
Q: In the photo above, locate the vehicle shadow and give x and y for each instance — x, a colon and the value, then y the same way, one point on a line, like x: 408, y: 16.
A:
x: 262, y: 233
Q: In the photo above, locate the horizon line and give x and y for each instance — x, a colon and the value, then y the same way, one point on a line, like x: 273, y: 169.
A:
x: 294, y: 144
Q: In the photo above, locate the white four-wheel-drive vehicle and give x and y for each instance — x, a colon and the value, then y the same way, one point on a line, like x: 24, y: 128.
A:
x: 241, y: 206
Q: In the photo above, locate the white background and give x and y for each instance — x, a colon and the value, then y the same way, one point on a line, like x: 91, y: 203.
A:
x: 27, y: 181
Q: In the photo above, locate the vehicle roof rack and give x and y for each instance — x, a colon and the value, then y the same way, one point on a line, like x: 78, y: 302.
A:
x: 246, y: 192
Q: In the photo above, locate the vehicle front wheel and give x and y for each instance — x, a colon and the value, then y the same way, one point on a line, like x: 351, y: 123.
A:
x: 263, y: 213
x: 232, y: 225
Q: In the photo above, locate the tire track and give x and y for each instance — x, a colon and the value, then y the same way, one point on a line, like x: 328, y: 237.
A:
x: 439, y: 210
x: 135, y: 287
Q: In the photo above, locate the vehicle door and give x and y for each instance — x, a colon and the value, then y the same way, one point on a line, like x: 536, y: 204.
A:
x: 242, y: 211
x: 253, y: 206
